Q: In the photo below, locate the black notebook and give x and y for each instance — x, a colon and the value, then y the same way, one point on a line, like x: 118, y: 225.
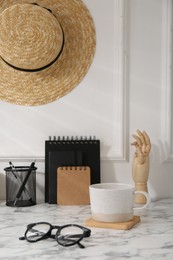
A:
x: 69, y: 152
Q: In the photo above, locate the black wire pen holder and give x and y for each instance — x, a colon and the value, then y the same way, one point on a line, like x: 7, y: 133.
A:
x: 21, y: 186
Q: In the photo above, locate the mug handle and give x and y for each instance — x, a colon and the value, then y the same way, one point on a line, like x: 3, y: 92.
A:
x: 147, y: 197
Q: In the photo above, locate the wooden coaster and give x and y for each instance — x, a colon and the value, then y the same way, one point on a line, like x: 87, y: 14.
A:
x: 114, y: 225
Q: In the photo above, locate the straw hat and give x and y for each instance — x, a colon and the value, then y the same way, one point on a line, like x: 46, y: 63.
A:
x: 46, y: 48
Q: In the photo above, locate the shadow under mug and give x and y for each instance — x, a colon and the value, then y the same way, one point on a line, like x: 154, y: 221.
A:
x: 114, y: 202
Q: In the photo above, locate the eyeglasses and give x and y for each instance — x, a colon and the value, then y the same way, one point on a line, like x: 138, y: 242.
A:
x: 67, y: 235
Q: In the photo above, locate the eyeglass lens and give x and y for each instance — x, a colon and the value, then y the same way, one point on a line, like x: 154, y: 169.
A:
x: 69, y: 235
x: 36, y: 232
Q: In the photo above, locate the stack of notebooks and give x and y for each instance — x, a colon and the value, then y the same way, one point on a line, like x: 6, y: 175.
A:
x: 71, y: 165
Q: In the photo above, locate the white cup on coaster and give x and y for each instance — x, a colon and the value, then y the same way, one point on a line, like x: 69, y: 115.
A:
x: 114, y: 202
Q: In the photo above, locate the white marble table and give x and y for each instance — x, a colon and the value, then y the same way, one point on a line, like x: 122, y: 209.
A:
x: 151, y: 239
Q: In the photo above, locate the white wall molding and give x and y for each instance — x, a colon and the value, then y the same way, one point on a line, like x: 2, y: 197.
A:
x: 167, y: 80
x: 121, y: 82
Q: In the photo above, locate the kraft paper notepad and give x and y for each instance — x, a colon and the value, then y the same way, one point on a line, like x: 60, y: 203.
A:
x: 73, y: 185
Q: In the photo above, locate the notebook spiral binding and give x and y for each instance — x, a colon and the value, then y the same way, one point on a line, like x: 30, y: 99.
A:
x: 72, y: 139
x: 70, y: 168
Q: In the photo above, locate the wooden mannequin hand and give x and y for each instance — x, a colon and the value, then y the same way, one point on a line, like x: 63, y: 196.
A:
x: 140, y: 166
x: 143, y: 146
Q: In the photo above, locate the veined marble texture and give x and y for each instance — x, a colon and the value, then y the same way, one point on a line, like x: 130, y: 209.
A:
x: 150, y: 239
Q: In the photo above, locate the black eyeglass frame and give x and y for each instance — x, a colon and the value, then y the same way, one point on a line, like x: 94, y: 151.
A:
x: 86, y: 233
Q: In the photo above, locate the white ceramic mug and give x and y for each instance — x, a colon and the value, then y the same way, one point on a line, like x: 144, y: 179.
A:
x: 114, y: 202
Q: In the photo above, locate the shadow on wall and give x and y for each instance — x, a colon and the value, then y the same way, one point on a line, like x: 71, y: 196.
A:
x: 161, y: 174
x: 40, y: 187
x: 2, y: 187
x: 107, y: 172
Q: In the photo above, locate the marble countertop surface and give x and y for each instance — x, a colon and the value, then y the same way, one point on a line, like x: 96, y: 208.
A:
x: 152, y: 238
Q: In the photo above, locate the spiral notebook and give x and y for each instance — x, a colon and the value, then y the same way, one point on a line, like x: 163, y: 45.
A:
x: 69, y: 151
x: 73, y: 185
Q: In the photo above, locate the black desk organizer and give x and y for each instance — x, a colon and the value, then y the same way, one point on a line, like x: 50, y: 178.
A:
x: 21, y: 186
x: 68, y: 151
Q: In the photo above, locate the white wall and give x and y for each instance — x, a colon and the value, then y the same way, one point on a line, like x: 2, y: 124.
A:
x: 127, y: 88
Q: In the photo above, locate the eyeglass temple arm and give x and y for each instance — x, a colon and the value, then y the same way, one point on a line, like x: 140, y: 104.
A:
x: 81, y: 245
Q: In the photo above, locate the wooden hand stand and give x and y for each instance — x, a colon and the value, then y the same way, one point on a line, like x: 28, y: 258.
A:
x: 140, y: 165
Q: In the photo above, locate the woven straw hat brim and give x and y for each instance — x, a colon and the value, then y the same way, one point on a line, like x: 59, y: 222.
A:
x: 42, y: 87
